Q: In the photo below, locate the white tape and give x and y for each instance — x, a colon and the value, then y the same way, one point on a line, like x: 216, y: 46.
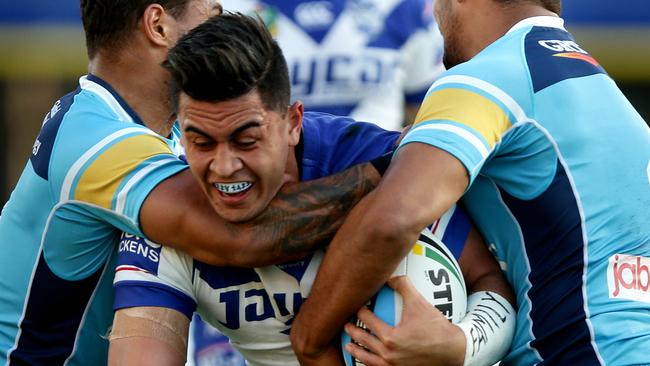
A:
x: 488, y: 326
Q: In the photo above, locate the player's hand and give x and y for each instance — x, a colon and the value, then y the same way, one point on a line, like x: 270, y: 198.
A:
x: 423, y: 336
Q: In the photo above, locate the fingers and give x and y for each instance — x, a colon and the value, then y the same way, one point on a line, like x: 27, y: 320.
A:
x: 404, y: 287
x: 415, y: 305
x: 367, y: 358
x: 364, y: 338
x: 374, y: 324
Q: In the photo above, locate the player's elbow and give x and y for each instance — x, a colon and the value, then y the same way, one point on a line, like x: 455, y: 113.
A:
x: 395, y: 228
x: 303, y: 344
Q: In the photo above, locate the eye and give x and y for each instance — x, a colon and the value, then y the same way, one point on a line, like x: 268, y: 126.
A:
x: 245, y: 142
x: 202, y: 143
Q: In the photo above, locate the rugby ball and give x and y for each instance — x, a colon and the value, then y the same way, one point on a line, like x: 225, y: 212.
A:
x: 434, y: 271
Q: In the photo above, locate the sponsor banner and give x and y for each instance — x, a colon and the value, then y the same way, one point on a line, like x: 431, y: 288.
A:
x: 320, y: 13
x: 25, y: 12
x: 606, y: 12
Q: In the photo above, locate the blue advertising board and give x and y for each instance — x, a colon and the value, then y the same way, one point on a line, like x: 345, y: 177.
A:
x: 617, y: 33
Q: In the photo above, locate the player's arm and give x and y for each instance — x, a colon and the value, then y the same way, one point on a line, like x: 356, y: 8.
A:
x: 143, y: 336
x: 302, y: 217
x: 422, y: 334
x: 420, y: 185
x: 480, y: 270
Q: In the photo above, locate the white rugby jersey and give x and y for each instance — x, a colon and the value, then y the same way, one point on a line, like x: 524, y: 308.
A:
x: 357, y: 58
x: 253, y: 307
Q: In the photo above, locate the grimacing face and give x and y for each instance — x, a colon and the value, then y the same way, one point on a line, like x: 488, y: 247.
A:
x: 238, y: 151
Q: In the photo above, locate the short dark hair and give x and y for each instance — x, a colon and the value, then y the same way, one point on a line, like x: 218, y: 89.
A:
x: 107, y: 23
x: 552, y: 5
x: 227, y: 57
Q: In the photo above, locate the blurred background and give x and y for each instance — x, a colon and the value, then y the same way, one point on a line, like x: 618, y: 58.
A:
x: 42, y: 54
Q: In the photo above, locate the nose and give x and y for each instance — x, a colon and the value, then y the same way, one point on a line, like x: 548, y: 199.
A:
x: 226, y: 162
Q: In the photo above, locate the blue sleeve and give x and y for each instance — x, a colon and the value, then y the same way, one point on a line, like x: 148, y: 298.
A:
x: 148, y: 274
x: 333, y: 144
x: 453, y: 228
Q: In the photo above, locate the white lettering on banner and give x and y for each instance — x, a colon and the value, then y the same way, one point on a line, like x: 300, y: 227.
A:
x: 332, y: 78
x: 628, y: 277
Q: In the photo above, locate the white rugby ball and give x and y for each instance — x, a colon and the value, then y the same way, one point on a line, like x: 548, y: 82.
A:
x: 434, y: 272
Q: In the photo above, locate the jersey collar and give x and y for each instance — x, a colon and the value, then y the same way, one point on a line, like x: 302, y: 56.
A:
x: 540, y: 21
x: 110, y: 97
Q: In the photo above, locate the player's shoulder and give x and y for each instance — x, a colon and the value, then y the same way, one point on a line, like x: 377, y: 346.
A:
x: 498, y: 76
x: 92, y: 113
x: 325, y: 123
x: 323, y: 129
x: 93, y: 135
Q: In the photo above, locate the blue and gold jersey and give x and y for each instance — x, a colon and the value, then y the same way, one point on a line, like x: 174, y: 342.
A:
x: 92, y: 166
x: 559, y: 164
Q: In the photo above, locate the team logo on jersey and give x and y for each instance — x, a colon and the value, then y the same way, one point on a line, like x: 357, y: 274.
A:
x: 628, y: 277
x: 568, y: 49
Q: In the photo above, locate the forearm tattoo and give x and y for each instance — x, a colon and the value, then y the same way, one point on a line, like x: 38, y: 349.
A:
x: 305, y: 216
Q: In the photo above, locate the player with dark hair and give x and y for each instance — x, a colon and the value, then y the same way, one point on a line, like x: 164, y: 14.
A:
x: 554, y: 165
x: 231, y: 84
x: 105, y: 162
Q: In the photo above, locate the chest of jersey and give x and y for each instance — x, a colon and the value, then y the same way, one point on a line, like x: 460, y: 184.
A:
x: 249, y: 305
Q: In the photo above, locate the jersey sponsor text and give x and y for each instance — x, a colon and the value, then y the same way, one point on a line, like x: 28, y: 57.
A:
x: 628, y: 277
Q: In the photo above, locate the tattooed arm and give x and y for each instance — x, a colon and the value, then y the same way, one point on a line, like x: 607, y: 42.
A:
x: 301, y: 218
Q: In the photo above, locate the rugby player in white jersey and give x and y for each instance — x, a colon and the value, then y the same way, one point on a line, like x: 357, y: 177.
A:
x: 104, y: 162
x: 231, y: 86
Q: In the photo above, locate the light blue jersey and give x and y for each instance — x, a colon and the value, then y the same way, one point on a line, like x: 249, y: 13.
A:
x: 91, y: 168
x: 558, y: 161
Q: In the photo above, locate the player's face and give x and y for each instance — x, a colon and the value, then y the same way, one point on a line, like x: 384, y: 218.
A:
x: 450, y: 28
x: 239, y: 151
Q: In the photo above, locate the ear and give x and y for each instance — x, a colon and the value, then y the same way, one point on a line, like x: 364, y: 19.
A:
x: 295, y: 112
x: 157, y: 25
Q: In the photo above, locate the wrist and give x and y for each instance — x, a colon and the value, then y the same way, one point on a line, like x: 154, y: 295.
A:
x: 458, y: 345
x: 488, y: 328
